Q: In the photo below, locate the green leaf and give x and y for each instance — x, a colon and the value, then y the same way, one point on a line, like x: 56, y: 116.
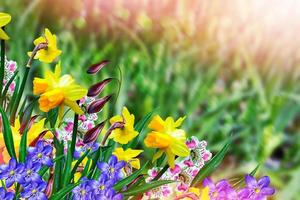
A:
x: 7, y: 134
x: 130, y: 178
x: 144, y: 188
x: 63, y: 192
x: 77, y: 164
x: 211, y: 165
x: 9, y: 83
x: 23, y: 146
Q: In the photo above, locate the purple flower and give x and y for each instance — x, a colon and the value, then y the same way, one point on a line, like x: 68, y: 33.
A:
x: 101, y: 186
x: 6, y: 195
x: 256, y: 190
x: 221, y: 190
x: 34, y: 191
x: 11, y: 173
x: 30, y: 172
x: 112, y: 168
x: 83, y: 191
x: 41, y: 153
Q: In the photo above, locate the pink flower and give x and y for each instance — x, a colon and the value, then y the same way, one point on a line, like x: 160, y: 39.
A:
x: 175, y: 170
x: 188, y: 163
x: 82, y: 118
x: 182, y: 187
x: 12, y: 87
x: 206, y: 156
x: 69, y: 127
x: 12, y: 66
x: 191, y: 144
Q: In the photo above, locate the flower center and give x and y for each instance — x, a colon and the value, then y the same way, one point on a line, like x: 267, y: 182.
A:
x: 257, y: 190
x: 82, y: 192
x: 12, y: 172
x: 101, y: 187
x: 40, y: 155
x: 34, y: 191
x: 215, y: 194
x: 28, y: 172
x: 112, y: 170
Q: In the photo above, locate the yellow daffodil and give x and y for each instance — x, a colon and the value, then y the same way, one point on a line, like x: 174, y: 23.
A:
x: 51, y: 52
x: 166, y: 137
x: 129, y: 156
x: 4, y: 20
x: 127, y: 133
x: 56, y: 90
x: 32, y: 134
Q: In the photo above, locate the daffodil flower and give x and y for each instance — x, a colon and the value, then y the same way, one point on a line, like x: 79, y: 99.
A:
x: 129, y: 156
x: 126, y: 133
x: 57, y: 91
x: 50, y: 52
x: 4, y: 20
x: 32, y: 134
x: 166, y: 137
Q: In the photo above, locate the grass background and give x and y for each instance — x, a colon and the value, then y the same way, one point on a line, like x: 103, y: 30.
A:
x: 228, y: 70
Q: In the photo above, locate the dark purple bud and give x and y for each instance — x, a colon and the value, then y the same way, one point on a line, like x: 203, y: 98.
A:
x: 49, y: 188
x: 111, y: 128
x: 27, y: 123
x: 40, y: 136
x: 97, y: 105
x: 97, y: 67
x: 92, y: 134
x: 94, y: 90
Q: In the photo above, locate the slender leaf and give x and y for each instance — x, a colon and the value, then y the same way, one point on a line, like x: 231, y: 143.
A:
x: 130, y: 178
x: 63, y: 192
x: 211, y: 165
x: 146, y: 187
x: 8, y: 136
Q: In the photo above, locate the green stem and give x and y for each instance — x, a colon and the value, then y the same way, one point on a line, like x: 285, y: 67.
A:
x: 19, y: 96
x: 2, y: 66
x: 70, y: 154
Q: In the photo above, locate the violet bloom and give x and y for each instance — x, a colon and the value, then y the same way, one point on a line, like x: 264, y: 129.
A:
x: 34, y: 191
x: 101, y: 186
x: 6, y: 195
x: 41, y: 153
x: 221, y: 190
x: 108, y: 195
x: 256, y: 190
x: 112, y: 168
x: 30, y: 172
x: 11, y: 173
x: 82, y: 191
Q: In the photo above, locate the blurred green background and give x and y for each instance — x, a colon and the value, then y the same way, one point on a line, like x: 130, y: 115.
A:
x: 231, y: 67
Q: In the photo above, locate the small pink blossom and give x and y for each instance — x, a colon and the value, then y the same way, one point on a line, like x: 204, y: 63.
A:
x: 175, y: 170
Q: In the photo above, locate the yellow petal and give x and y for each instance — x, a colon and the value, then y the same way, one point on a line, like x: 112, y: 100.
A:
x: 179, y: 121
x: 133, y: 152
x: 74, y: 92
x: 40, y: 85
x: 74, y: 106
x: 135, y: 163
x: 205, y: 194
x: 129, y: 118
x: 39, y: 40
x: 35, y: 130
x: 170, y: 158
x: 179, y: 148
x: 3, y: 35
x: 4, y: 19
x: 117, y: 118
x: 156, y: 123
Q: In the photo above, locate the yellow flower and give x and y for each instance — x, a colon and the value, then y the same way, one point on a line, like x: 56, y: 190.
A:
x: 128, y: 156
x: 56, y: 90
x: 32, y: 134
x: 4, y: 20
x: 195, y: 194
x: 51, y: 52
x: 127, y: 133
x: 166, y: 137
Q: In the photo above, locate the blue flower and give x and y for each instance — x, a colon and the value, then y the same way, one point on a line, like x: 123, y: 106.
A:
x: 41, y: 154
x: 101, y: 186
x: 11, y: 173
x: 30, y: 172
x: 34, y: 191
x: 112, y: 168
x: 83, y: 191
x: 109, y: 195
x: 6, y: 195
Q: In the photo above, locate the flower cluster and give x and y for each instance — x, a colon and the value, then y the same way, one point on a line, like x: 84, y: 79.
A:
x: 27, y: 174
x: 71, y: 155
x: 254, y: 190
x: 183, y: 172
x: 102, y: 188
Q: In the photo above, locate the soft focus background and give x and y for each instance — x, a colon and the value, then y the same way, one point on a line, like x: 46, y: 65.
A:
x: 230, y: 66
